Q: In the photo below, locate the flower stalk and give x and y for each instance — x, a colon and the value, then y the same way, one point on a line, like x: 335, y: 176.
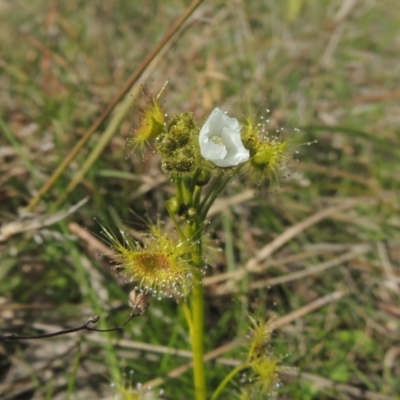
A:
x: 227, y: 379
x: 197, y: 342
x: 198, y: 318
x: 196, y: 159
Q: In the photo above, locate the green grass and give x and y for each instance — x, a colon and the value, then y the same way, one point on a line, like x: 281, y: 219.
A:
x: 60, y: 65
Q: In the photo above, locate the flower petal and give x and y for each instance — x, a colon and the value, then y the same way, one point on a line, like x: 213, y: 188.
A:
x: 220, y: 140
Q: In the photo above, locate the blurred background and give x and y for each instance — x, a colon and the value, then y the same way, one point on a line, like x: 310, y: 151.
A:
x: 325, y: 71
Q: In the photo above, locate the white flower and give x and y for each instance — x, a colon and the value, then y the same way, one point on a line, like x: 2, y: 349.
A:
x: 220, y: 140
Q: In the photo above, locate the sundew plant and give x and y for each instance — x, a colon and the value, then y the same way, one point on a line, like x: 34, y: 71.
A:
x: 200, y: 159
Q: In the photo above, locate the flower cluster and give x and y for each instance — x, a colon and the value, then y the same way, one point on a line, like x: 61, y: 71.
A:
x: 218, y: 145
x: 200, y: 161
x: 177, y: 146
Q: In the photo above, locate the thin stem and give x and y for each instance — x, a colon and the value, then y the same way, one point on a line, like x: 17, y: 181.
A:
x: 179, y: 191
x: 194, y: 180
x: 197, y: 336
x: 196, y: 198
x: 188, y: 315
x: 187, y: 195
x: 213, y: 186
x: 197, y: 333
x: 217, y: 187
x: 227, y: 379
x: 176, y: 224
x: 213, y: 196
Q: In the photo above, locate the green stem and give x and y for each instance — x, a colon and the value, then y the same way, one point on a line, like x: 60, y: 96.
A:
x: 176, y: 224
x: 194, y: 180
x: 227, y: 379
x: 196, y: 198
x: 197, y: 326
x: 197, y: 332
x: 211, y: 198
x: 214, y: 184
x: 188, y: 315
x: 187, y: 196
x: 215, y: 189
x: 179, y: 189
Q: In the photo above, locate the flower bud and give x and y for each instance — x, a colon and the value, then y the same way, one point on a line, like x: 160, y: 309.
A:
x: 269, y: 157
x: 203, y: 178
x: 192, y: 212
x: 173, y: 205
x: 251, y: 137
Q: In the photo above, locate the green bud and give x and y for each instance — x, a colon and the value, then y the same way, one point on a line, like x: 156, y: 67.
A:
x: 269, y: 156
x: 203, y: 178
x: 251, y: 137
x: 173, y: 205
x: 191, y: 213
x: 262, y: 158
